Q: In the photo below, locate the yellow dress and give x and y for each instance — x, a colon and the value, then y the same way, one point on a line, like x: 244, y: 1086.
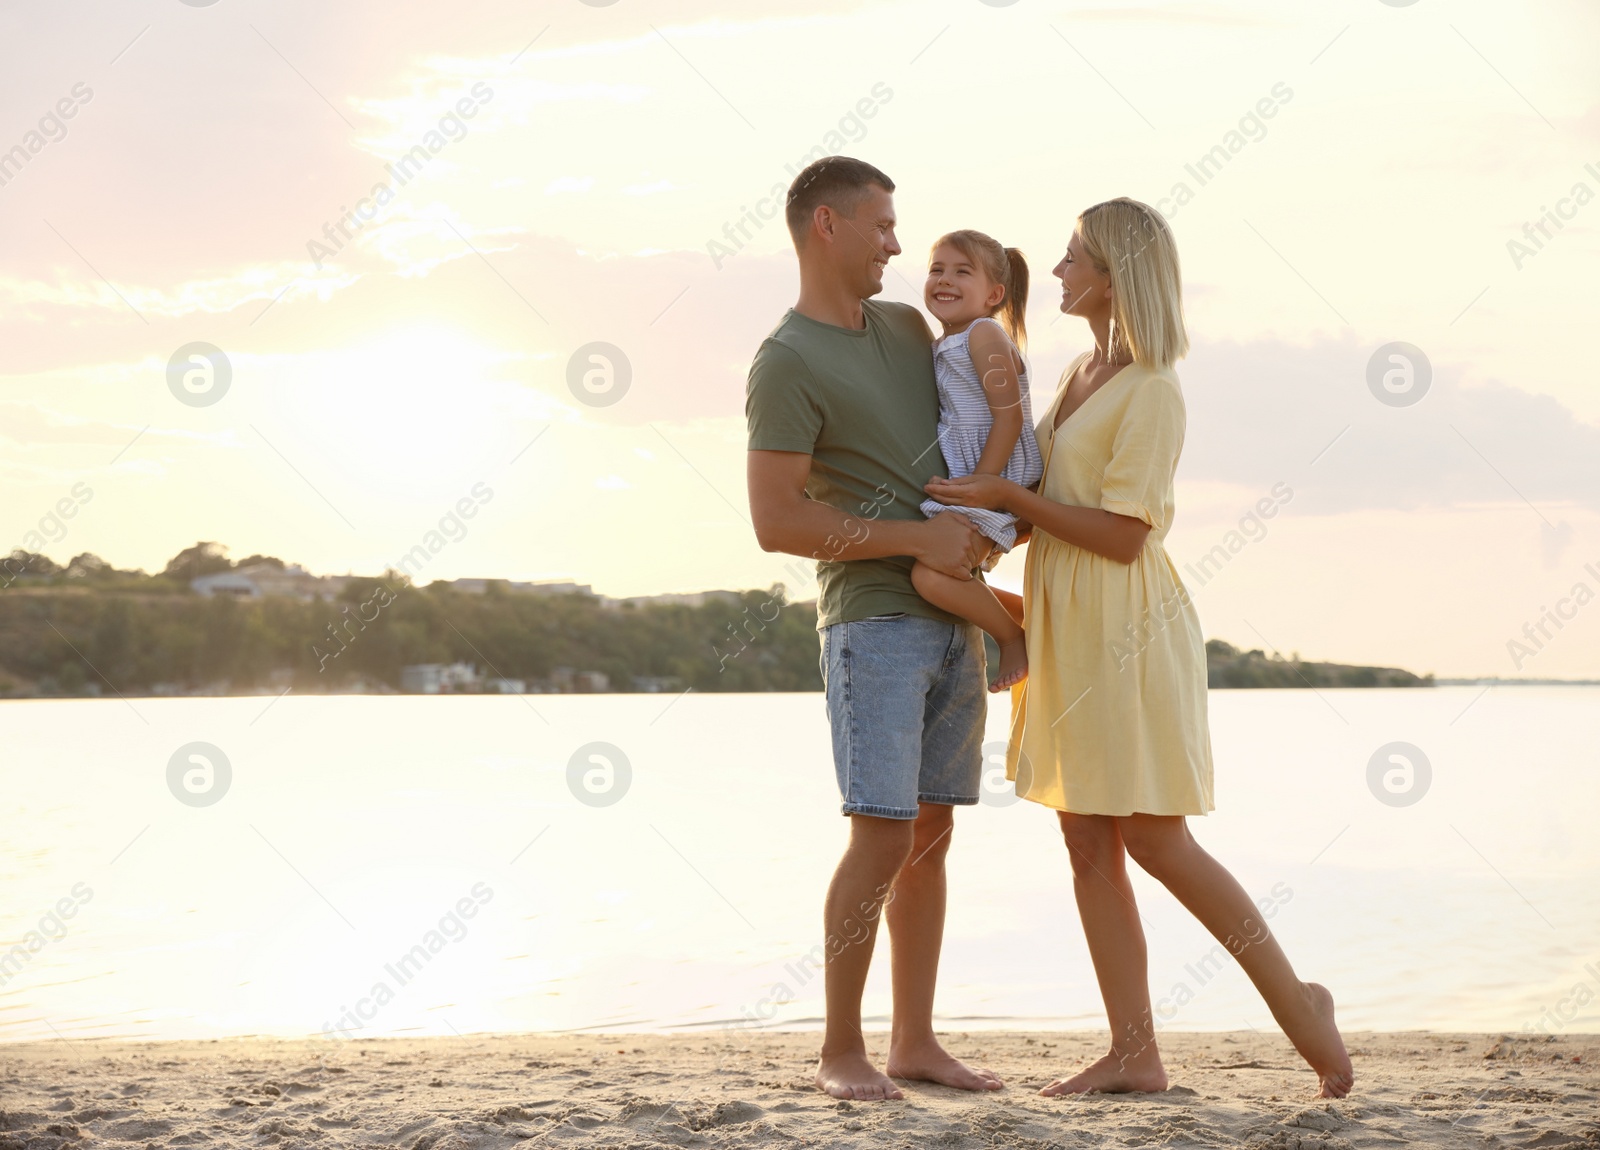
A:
x: 1112, y: 717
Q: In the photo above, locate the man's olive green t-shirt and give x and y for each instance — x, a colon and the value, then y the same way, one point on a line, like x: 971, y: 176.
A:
x: 864, y: 406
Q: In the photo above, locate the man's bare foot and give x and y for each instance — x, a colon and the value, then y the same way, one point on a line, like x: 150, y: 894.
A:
x: 1115, y: 1074
x: 852, y: 1076
x: 1013, y: 665
x: 1318, y: 1041
x: 929, y: 1062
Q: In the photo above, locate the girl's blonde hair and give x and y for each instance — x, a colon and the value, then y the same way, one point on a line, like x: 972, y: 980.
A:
x: 1006, y: 267
x: 1131, y: 242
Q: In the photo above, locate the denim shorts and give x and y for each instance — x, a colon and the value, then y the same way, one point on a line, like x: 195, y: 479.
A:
x: 907, y: 697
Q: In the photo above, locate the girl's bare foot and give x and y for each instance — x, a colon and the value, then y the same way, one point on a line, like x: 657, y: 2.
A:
x: 851, y: 1075
x: 1318, y: 1041
x: 1115, y: 1074
x: 1013, y: 665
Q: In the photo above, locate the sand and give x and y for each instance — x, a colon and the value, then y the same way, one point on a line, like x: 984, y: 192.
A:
x: 753, y: 1089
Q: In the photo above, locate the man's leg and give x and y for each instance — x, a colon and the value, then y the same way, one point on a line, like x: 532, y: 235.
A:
x: 916, y: 934
x: 956, y: 705
x: 861, y: 885
x: 876, y: 675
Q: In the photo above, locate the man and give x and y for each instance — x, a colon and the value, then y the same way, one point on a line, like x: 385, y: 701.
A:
x: 842, y: 413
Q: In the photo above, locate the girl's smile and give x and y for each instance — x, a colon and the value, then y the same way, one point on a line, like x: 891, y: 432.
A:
x: 957, y: 291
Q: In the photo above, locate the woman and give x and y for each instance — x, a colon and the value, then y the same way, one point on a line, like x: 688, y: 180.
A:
x: 1110, y: 730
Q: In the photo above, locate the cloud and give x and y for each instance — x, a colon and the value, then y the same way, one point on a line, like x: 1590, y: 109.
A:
x: 1266, y: 411
x: 568, y: 184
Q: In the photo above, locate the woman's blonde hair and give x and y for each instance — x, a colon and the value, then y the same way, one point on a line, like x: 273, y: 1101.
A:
x: 1006, y: 267
x: 1131, y: 242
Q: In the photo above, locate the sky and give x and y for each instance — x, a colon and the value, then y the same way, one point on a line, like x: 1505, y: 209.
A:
x: 382, y: 338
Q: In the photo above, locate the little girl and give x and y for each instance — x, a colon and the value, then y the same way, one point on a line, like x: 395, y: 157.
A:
x: 985, y: 419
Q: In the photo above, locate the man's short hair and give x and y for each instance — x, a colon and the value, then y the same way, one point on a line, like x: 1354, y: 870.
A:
x: 837, y: 181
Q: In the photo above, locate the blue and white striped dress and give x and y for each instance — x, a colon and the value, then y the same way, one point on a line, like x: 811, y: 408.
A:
x: 964, y: 422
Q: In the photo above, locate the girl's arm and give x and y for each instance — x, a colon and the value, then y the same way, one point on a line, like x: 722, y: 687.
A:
x: 993, y: 359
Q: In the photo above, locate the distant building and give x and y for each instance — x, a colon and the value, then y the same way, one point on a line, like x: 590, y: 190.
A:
x: 655, y: 684
x: 690, y: 599
x: 262, y: 579
x: 439, y: 679
x: 555, y: 589
x: 505, y: 686
x: 565, y: 680
x: 479, y: 586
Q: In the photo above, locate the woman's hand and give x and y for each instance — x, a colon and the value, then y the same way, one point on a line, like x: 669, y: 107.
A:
x: 990, y: 492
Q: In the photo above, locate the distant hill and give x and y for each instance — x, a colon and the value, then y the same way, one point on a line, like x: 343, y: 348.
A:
x: 1227, y: 666
x: 207, y: 625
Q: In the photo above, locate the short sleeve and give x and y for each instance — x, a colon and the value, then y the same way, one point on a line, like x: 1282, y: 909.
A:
x: 1144, y: 453
x: 780, y: 406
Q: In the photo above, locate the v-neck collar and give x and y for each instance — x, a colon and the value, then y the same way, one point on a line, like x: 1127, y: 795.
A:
x: 1060, y: 399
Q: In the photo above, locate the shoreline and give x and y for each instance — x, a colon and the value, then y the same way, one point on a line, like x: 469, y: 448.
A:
x: 490, y: 1092
x: 387, y: 694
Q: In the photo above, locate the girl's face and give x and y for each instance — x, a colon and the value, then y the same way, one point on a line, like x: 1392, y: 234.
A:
x: 958, y: 290
x: 1085, y: 291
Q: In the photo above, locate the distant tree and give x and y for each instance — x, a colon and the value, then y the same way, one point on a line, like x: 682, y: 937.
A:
x: 201, y: 559
x: 261, y: 560
x: 87, y: 566
x: 21, y: 562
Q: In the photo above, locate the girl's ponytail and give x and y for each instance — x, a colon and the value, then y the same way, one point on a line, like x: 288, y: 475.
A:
x: 1013, y: 309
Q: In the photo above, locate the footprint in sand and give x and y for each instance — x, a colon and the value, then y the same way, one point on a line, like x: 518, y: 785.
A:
x: 135, y: 1130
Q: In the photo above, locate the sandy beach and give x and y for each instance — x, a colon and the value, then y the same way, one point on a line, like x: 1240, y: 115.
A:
x: 753, y: 1089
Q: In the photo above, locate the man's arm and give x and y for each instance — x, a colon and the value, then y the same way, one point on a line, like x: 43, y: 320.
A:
x: 786, y: 520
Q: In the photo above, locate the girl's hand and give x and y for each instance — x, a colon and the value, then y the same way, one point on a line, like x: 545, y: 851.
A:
x: 990, y: 492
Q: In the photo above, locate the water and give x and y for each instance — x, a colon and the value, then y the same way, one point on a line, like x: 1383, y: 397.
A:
x: 354, y: 826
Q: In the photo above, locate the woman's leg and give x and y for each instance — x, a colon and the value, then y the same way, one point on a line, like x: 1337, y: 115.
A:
x: 1116, y: 945
x: 1163, y: 846
x: 973, y: 601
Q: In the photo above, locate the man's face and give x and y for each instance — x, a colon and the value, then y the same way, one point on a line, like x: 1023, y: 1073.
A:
x: 864, y: 243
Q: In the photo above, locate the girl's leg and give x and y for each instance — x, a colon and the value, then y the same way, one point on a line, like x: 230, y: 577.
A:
x: 1116, y: 945
x: 1163, y: 846
x: 1011, y: 601
x: 973, y: 601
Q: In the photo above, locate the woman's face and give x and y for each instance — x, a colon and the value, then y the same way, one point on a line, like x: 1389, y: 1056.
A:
x: 1085, y: 291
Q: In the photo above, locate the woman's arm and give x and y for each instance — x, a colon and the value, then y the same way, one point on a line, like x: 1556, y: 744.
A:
x: 1118, y: 537
x: 990, y: 349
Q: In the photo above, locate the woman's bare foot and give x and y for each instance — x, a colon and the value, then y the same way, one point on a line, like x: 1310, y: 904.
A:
x: 1318, y: 1041
x: 1013, y: 665
x: 1115, y: 1074
x: 851, y: 1075
x: 929, y: 1062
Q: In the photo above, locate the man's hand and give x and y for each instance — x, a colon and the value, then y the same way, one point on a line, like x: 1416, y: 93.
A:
x: 950, y: 544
